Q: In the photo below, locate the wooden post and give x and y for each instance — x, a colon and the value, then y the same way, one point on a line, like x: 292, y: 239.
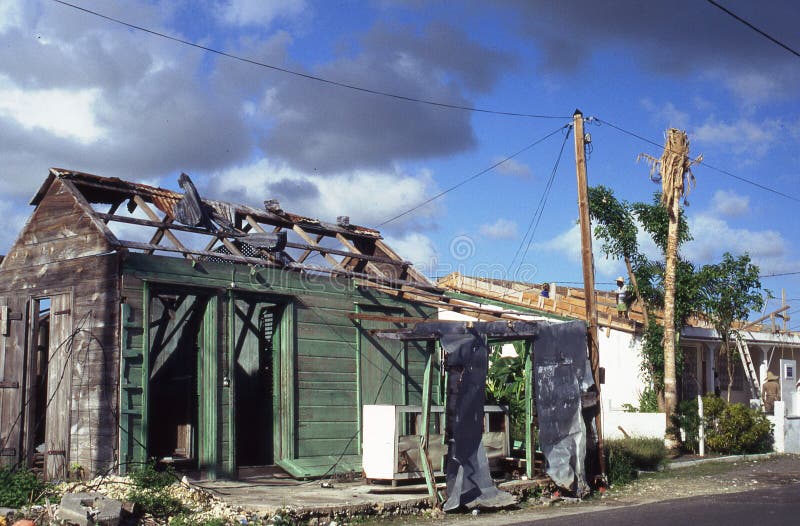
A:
x: 530, y: 433
x: 424, y: 437
x: 587, y: 260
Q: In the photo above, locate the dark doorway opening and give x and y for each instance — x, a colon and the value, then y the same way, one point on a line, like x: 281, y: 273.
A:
x: 176, y: 320
x: 256, y: 327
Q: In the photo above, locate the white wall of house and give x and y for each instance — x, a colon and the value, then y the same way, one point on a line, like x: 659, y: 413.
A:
x: 621, y: 357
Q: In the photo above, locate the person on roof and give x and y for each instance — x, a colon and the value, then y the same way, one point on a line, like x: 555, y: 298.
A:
x: 545, y: 291
x: 622, y: 297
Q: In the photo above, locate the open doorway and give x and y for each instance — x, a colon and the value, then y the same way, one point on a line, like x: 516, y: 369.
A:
x: 50, y: 378
x: 256, y: 348
x: 175, y: 324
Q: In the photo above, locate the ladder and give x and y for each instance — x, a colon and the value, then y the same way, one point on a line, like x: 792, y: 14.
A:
x: 749, y: 369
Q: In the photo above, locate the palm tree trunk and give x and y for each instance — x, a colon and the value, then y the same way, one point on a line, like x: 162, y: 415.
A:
x: 670, y: 383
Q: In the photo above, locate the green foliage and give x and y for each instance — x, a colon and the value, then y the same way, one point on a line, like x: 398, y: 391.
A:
x: 731, y: 429
x: 150, y: 477
x: 625, y: 457
x: 648, y: 400
x: 21, y: 487
x: 185, y: 519
x: 654, y: 218
x: 505, y: 385
x: 150, y: 491
x: 687, y: 418
x: 729, y: 290
x: 614, y: 223
x: 739, y: 430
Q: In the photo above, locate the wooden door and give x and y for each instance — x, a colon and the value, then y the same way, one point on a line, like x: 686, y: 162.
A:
x: 255, y: 345
x: 59, y: 383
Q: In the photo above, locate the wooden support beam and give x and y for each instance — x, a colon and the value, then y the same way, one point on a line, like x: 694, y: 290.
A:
x: 154, y: 217
x: 302, y: 233
x: 352, y: 248
x: 381, y: 317
x: 764, y: 317
x: 389, y: 282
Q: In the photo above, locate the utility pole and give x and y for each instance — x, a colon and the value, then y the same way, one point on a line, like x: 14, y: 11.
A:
x: 587, y: 259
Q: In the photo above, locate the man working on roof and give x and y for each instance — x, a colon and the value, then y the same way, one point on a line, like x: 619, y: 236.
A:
x: 622, y: 296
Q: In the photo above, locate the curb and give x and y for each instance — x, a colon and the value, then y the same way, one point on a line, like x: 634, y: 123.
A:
x: 730, y: 458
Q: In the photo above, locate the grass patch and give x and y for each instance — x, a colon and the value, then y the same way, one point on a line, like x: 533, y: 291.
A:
x: 627, y: 456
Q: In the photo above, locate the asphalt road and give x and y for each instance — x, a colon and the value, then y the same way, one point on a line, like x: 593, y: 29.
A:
x: 764, y: 507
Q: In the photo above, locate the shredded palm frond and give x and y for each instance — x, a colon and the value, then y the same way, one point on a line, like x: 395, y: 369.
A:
x: 673, y: 169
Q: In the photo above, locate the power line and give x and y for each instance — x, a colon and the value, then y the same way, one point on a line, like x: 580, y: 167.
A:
x: 754, y: 28
x: 475, y: 176
x: 780, y: 274
x: 537, y: 214
x: 307, y: 76
x: 703, y: 163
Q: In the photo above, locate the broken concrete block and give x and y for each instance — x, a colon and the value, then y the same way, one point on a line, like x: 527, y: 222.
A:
x: 90, y: 509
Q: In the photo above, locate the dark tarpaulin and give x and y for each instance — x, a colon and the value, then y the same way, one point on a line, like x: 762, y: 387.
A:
x: 469, y: 481
x: 562, y: 373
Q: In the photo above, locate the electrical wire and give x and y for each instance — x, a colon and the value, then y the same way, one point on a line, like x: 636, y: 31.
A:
x: 474, y: 176
x: 537, y: 214
x: 308, y: 76
x: 702, y: 163
x: 754, y: 28
x: 777, y: 275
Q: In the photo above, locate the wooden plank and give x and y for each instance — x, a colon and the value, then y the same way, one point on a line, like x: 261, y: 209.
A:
x: 302, y: 233
x: 323, y: 430
x: 308, y: 413
x: 323, y: 364
x: 154, y: 217
x: 335, y: 446
x: 59, y: 386
x: 327, y: 397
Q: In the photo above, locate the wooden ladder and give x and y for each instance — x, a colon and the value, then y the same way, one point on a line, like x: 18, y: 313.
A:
x: 749, y: 369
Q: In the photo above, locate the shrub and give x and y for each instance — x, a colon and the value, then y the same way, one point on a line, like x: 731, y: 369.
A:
x: 687, y: 418
x: 624, y: 457
x: 21, y: 487
x: 730, y: 428
x: 739, y: 430
x: 150, y: 491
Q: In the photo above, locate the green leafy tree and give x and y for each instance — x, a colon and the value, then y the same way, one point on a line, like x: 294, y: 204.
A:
x: 728, y: 291
x: 616, y: 226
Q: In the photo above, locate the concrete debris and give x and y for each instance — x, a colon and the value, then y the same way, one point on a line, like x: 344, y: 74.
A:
x: 88, y: 509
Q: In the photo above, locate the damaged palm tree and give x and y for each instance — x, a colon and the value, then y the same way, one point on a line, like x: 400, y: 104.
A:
x: 673, y: 171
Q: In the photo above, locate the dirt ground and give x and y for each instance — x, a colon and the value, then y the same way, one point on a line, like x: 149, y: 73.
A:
x: 702, y: 479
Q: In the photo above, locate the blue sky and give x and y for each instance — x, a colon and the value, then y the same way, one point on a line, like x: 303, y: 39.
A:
x: 84, y: 93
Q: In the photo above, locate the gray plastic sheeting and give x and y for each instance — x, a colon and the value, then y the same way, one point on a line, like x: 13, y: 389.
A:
x: 562, y: 372
x: 469, y: 481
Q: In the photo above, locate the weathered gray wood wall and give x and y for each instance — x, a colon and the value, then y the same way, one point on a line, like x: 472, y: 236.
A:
x: 60, y: 251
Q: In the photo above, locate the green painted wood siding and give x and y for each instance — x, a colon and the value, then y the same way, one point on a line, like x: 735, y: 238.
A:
x: 327, y: 364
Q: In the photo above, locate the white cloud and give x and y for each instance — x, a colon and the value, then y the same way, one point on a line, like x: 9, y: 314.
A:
x: 667, y: 114
x: 368, y: 197
x: 10, y: 14
x: 742, y: 136
x: 714, y: 236
x: 729, y: 203
x: 513, y: 167
x: 500, y: 229
x: 417, y: 248
x: 66, y: 113
x: 568, y: 243
x: 258, y: 12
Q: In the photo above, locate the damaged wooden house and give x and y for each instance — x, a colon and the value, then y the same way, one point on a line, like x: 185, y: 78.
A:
x: 142, y: 323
